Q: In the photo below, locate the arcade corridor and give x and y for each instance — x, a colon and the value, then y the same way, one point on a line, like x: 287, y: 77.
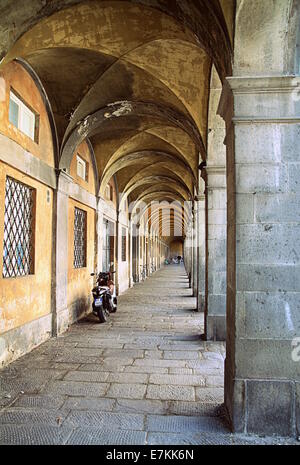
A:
x: 134, y: 133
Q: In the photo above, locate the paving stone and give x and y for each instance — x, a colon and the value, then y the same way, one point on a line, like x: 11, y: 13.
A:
x: 183, y: 380
x: 65, y: 366
x: 39, y: 401
x: 127, y: 391
x: 33, y: 435
x: 91, y: 376
x: 104, y: 344
x: 101, y: 367
x: 142, y: 345
x: 214, y: 381
x: 129, y: 378
x: 128, y: 354
x: 85, y: 403
x: 210, y: 395
x: 208, y: 371
x: 158, y: 354
x: 182, y: 424
x: 29, y: 416
x: 73, y: 388
x: 79, y: 352
x: 212, y: 356
x: 141, y: 406
x: 166, y: 439
x: 104, y: 420
x: 194, y: 408
x: 180, y: 371
x: 203, y: 364
x: 89, y: 436
x: 116, y: 362
x: 160, y: 363
x: 147, y: 370
x: 180, y: 355
x: 75, y: 358
x: 170, y: 392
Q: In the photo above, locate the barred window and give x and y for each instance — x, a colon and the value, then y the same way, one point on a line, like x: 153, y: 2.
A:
x: 18, y: 246
x: 80, y: 229
x: 123, y: 245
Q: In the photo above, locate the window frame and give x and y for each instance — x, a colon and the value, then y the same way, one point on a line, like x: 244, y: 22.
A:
x: 26, y: 245
x: 83, y: 263
x: 24, y: 109
x: 85, y: 164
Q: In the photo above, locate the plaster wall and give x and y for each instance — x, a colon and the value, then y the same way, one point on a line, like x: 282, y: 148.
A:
x: 80, y: 282
x: 27, y: 298
x: 13, y: 76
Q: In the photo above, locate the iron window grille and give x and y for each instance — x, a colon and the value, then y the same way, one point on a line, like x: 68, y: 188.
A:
x: 18, y: 244
x: 80, y: 229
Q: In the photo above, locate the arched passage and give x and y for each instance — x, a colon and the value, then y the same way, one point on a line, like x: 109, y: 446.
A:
x: 138, y: 85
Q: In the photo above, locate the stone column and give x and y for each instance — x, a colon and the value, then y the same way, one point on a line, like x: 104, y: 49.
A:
x: 130, y: 253
x: 201, y: 235
x: 117, y: 232
x: 216, y: 262
x: 99, y: 235
x: 138, y: 258
x: 195, y: 250
x: 262, y: 389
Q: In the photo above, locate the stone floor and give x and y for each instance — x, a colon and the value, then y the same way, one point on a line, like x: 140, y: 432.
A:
x: 145, y: 377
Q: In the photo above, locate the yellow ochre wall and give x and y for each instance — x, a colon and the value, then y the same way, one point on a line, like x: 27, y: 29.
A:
x: 27, y: 298
x: 13, y: 75
x: 80, y: 282
x: 24, y: 299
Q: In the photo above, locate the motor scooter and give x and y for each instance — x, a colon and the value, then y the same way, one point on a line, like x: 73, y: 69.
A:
x: 104, y: 296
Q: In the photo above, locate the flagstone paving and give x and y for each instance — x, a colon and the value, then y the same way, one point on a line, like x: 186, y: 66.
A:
x: 145, y: 377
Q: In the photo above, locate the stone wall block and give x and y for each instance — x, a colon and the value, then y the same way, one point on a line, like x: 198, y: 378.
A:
x: 268, y: 244
x: 272, y: 315
x: 270, y: 407
x: 271, y: 178
x: 277, y: 208
x: 265, y: 359
x: 268, y: 278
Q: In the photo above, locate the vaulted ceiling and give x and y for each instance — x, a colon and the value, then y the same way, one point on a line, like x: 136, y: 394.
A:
x: 133, y: 77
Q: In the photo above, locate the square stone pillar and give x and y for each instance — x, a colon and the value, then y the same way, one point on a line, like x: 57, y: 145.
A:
x: 60, y: 312
x: 195, y: 270
x: 99, y: 235
x: 201, y: 269
x: 262, y: 372
x: 215, y: 317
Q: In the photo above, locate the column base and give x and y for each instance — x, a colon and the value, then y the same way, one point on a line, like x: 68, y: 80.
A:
x: 264, y: 407
x: 68, y: 316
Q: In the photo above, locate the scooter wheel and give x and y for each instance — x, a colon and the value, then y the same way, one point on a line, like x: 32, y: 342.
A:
x: 112, y: 307
x: 102, y: 315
